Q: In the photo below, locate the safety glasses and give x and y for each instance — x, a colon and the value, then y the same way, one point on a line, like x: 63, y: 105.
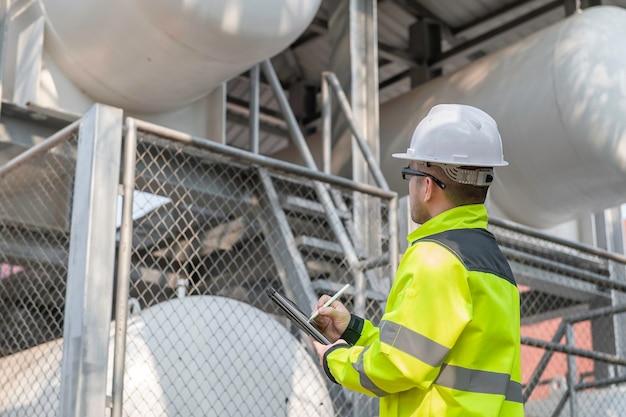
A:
x: 406, y: 171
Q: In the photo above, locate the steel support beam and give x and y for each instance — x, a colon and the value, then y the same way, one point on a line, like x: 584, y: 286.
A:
x: 91, y: 264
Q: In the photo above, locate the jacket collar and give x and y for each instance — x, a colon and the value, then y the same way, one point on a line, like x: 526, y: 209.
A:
x: 473, y: 216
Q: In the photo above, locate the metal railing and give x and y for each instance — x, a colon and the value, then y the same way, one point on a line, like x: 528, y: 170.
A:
x: 572, y: 299
x: 213, y: 210
x: 36, y: 190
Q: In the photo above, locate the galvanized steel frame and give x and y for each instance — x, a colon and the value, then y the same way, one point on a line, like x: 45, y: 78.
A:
x: 91, y: 264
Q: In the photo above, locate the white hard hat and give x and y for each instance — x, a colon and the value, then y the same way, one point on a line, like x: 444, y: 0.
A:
x: 456, y: 134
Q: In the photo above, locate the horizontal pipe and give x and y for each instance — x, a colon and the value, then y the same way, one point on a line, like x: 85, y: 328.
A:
x: 600, y: 383
x: 563, y: 269
x: 594, y: 314
x: 599, y: 356
x: 261, y: 160
x: 34, y: 151
x: 528, y: 231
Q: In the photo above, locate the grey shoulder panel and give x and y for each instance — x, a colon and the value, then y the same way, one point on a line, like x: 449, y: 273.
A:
x: 477, y: 249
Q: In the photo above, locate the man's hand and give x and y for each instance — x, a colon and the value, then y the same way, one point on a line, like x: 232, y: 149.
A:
x: 333, y: 320
x: 321, y: 348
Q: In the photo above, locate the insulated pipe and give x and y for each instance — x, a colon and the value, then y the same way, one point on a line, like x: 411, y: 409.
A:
x: 559, y: 98
x: 152, y: 56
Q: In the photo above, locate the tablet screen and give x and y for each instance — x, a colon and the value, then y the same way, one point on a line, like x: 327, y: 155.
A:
x: 300, y: 319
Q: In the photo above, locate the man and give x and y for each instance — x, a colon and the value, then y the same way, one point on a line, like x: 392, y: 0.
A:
x: 449, y: 341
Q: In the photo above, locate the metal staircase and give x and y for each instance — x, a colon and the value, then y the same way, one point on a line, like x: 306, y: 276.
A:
x: 235, y: 221
x: 315, y: 243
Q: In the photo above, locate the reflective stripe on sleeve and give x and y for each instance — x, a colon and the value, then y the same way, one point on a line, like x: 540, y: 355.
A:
x: 413, y: 343
x: 364, y: 380
x: 514, y: 392
x: 484, y: 382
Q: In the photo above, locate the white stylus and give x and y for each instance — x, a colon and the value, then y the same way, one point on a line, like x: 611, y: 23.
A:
x: 330, y: 300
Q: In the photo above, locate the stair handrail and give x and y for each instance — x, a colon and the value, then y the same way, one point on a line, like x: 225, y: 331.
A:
x: 329, y: 79
x: 323, y: 192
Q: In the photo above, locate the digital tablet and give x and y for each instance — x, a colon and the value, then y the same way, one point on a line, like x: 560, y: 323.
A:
x: 296, y: 315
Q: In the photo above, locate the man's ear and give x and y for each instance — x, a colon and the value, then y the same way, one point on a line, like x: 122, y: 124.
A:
x: 428, y: 190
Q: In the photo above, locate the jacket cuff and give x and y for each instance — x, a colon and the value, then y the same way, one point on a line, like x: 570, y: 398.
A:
x: 325, y: 361
x: 354, y: 329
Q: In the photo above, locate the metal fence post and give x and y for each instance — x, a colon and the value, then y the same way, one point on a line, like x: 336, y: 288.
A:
x: 123, y: 267
x: 91, y: 264
x: 571, y: 370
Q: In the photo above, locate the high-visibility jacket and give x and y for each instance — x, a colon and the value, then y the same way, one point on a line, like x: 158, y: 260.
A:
x: 449, y: 341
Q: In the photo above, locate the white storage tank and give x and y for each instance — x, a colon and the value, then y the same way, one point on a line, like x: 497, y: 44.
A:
x: 150, y: 56
x: 196, y: 356
x: 559, y: 98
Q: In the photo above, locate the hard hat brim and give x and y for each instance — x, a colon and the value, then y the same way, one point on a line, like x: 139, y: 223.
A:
x: 408, y: 157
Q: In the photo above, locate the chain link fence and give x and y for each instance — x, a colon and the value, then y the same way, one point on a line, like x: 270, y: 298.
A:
x: 211, y: 231
x: 572, y: 307
x: 211, y: 234
x: 35, y: 212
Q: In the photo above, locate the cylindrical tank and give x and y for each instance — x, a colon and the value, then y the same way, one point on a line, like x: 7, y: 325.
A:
x: 152, y: 56
x: 196, y: 356
x: 559, y: 98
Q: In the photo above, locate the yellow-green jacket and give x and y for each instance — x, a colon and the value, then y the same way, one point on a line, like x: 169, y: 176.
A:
x: 449, y: 341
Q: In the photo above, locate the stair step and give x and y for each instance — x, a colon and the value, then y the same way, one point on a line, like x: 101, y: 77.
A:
x: 320, y: 247
x: 306, y: 206
x: 318, y: 267
x: 324, y: 247
x: 303, y: 226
